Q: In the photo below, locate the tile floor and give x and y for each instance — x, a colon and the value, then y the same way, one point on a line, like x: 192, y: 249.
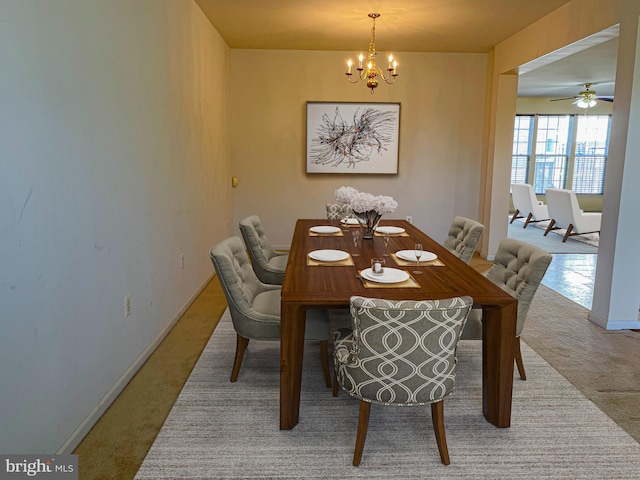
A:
x: 572, y: 275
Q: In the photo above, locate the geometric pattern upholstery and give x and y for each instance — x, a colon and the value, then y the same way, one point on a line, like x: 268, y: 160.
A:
x: 336, y: 211
x: 268, y: 264
x: 463, y: 237
x: 400, y: 352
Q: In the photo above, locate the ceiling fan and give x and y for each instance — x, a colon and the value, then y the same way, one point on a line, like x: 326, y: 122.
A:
x: 586, y: 98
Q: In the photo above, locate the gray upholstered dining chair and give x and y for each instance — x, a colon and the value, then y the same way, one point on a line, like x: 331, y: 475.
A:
x: 518, y: 268
x: 337, y: 211
x: 400, y: 353
x: 255, y: 306
x: 268, y: 263
x: 463, y: 237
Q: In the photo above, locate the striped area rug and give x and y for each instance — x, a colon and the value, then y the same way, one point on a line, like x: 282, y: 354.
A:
x: 220, y: 430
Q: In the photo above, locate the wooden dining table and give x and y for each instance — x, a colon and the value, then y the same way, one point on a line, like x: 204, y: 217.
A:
x: 330, y: 285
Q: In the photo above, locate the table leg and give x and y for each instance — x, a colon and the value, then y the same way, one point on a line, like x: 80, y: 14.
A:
x: 292, y: 325
x: 498, y: 337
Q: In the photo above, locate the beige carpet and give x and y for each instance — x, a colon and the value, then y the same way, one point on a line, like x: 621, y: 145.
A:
x: 220, y: 430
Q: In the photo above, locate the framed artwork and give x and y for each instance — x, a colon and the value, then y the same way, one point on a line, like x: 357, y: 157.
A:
x: 352, y: 137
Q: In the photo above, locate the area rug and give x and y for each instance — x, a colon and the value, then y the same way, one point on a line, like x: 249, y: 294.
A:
x: 223, y: 430
x: 552, y: 243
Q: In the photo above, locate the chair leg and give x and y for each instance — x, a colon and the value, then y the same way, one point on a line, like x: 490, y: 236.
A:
x: 549, y: 227
x: 363, y: 425
x: 526, y: 222
x: 324, y: 359
x: 515, y: 215
x: 567, y: 233
x: 241, y: 345
x: 518, y: 357
x: 437, y: 417
x: 336, y: 386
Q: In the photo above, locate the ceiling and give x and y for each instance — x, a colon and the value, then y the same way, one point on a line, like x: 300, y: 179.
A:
x: 464, y: 26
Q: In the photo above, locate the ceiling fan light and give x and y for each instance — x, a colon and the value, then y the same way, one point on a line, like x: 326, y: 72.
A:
x: 582, y: 103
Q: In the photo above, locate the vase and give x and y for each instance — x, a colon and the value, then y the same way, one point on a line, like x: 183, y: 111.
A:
x: 368, y: 222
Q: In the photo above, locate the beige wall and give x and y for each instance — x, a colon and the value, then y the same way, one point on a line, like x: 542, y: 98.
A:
x: 114, y: 160
x: 441, y: 124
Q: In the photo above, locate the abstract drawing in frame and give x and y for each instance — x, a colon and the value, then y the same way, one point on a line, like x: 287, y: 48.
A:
x: 352, y: 137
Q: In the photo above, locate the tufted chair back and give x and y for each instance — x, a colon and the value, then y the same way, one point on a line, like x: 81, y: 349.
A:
x: 518, y: 268
x: 254, y: 310
x: 336, y: 211
x: 268, y: 264
x: 255, y: 306
x: 463, y: 237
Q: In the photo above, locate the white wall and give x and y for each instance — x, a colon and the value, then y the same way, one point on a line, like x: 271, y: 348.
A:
x: 441, y: 124
x: 114, y: 160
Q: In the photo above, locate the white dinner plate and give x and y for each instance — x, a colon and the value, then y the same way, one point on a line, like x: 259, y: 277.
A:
x: 324, y: 229
x: 390, y: 230
x: 390, y: 275
x: 328, y: 255
x: 410, y: 256
x: 350, y: 221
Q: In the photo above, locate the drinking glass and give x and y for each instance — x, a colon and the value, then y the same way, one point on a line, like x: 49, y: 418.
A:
x: 386, y: 244
x: 418, y: 252
x: 355, y: 232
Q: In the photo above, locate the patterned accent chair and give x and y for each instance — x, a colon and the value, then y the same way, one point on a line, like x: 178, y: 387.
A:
x: 268, y: 264
x: 463, y: 237
x: 255, y: 306
x: 518, y: 268
x: 400, y: 353
x: 336, y: 211
x: 526, y: 203
x: 565, y: 212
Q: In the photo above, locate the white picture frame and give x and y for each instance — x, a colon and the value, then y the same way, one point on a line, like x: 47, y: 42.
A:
x: 353, y: 137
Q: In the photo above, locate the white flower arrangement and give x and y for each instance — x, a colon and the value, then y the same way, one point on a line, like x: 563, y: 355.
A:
x: 362, y: 202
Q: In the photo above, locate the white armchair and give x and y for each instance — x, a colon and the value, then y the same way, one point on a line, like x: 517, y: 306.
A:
x: 565, y: 212
x: 526, y: 203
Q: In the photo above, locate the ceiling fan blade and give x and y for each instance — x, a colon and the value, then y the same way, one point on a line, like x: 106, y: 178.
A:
x: 559, y: 99
x: 604, y: 99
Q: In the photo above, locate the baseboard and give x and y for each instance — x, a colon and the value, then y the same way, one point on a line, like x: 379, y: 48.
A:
x: 90, y: 420
x: 614, y: 325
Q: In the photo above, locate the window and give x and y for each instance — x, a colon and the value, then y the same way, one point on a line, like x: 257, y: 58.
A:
x: 522, y: 149
x: 592, y: 150
x: 561, y: 151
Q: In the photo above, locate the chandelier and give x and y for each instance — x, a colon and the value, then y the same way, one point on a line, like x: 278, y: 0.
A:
x: 371, y: 73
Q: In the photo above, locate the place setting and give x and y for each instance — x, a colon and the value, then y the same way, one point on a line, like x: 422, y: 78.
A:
x: 391, y: 230
x: 416, y: 258
x: 381, y: 276
x: 328, y: 257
